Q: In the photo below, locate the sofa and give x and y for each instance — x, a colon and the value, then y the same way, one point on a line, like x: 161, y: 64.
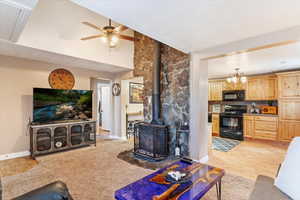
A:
x: 265, y: 189
x: 53, y: 191
x: 286, y: 184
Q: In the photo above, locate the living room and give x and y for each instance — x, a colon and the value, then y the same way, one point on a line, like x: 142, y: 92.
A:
x: 55, y: 55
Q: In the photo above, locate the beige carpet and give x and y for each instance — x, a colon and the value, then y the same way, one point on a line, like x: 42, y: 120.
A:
x: 94, y: 173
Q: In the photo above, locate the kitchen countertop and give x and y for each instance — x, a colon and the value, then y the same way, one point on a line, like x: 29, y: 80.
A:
x: 267, y: 115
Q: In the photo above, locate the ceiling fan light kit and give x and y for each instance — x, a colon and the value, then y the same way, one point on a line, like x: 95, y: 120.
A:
x: 110, y: 35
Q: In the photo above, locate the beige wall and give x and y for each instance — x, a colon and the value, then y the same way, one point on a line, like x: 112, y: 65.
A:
x: 131, y: 108
x: 55, y: 26
x: 17, y: 78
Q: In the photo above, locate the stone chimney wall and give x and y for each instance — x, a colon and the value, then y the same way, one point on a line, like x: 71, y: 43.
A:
x: 175, y: 91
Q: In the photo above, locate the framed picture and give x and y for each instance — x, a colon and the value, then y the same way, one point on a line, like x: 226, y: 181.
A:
x: 136, y: 93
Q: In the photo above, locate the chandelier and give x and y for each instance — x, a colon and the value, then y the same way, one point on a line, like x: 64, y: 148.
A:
x: 237, y: 77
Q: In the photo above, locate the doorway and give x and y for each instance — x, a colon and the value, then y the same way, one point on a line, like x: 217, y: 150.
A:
x: 104, y: 106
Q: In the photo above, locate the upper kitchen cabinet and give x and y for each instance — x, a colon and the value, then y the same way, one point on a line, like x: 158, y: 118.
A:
x: 261, y: 88
x: 289, y: 84
x: 232, y: 86
x: 215, y: 88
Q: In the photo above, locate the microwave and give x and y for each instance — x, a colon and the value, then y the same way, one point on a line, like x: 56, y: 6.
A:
x: 233, y: 95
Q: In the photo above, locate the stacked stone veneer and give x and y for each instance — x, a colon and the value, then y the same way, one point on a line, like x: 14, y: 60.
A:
x: 175, y: 94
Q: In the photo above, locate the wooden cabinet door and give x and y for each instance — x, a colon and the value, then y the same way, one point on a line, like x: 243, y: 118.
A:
x: 288, y: 130
x: 209, y: 91
x: 269, y: 89
x: 289, y: 86
x: 262, y: 88
x: 248, y: 126
x: 232, y: 86
x: 254, y: 89
x: 216, y: 124
x: 289, y: 110
x: 215, y: 90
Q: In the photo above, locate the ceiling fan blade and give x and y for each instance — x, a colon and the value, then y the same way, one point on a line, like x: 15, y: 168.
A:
x: 121, y: 28
x: 125, y: 37
x: 92, y: 37
x: 92, y: 25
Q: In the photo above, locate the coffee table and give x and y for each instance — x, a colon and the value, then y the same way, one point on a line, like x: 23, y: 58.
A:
x: 203, y: 178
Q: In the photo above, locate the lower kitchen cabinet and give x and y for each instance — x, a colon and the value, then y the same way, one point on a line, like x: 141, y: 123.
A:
x: 248, y: 126
x: 288, y: 130
x: 216, y: 124
x: 261, y: 127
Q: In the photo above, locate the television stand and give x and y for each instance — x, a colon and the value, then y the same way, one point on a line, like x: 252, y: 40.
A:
x: 56, y: 137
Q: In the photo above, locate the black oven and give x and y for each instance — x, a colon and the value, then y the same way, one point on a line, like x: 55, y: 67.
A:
x: 231, y: 122
x: 233, y: 95
x: 231, y: 126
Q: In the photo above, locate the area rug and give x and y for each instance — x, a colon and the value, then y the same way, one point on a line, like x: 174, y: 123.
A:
x: 95, y: 173
x: 129, y: 157
x: 224, y: 144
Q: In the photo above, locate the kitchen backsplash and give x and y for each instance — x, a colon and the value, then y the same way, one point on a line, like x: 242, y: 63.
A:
x: 248, y: 103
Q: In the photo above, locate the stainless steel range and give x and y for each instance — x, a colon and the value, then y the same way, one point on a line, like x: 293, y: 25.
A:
x: 231, y: 121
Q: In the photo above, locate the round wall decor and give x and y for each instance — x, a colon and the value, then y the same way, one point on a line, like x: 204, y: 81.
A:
x: 61, y: 79
x: 116, y: 89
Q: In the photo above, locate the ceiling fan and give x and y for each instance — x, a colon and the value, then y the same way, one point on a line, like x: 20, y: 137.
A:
x: 109, y: 34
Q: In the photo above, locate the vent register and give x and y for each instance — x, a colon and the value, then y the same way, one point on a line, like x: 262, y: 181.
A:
x: 13, y: 18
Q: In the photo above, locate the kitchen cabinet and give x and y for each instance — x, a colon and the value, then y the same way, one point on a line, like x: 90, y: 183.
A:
x: 261, y: 88
x: 261, y: 127
x: 216, y: 124
x: 232, y: 86
x: 289, y: 109
x: 289, y: 85
x: 266, y: 128
x: 248, y: 126
x: 289, y: 105
x: 288, y: 130
x: 215, y: 88
x: 257, y: 88
x: 253, y: 91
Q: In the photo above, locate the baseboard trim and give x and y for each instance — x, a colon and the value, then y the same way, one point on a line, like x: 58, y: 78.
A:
x: 111, y: 137
x: 117, y: 137
x: 203, y: 160
x: 14, y: 155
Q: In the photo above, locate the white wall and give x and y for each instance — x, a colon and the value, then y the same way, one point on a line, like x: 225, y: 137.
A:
x: 17, y: 78
x: 55, y: 25
x: 199, y: 108
x: 131, y: 108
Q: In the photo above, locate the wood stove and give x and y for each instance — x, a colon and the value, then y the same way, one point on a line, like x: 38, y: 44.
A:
x: 151, y: 140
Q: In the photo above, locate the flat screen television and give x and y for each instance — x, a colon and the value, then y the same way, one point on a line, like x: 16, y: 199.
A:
x: 51, y: 105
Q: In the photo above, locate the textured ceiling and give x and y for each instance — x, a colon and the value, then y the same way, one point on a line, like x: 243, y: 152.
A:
x: 195, y: 25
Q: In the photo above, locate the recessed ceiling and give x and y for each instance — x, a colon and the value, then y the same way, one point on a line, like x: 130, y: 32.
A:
x: 195, y: 25
x: 269, y: 60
